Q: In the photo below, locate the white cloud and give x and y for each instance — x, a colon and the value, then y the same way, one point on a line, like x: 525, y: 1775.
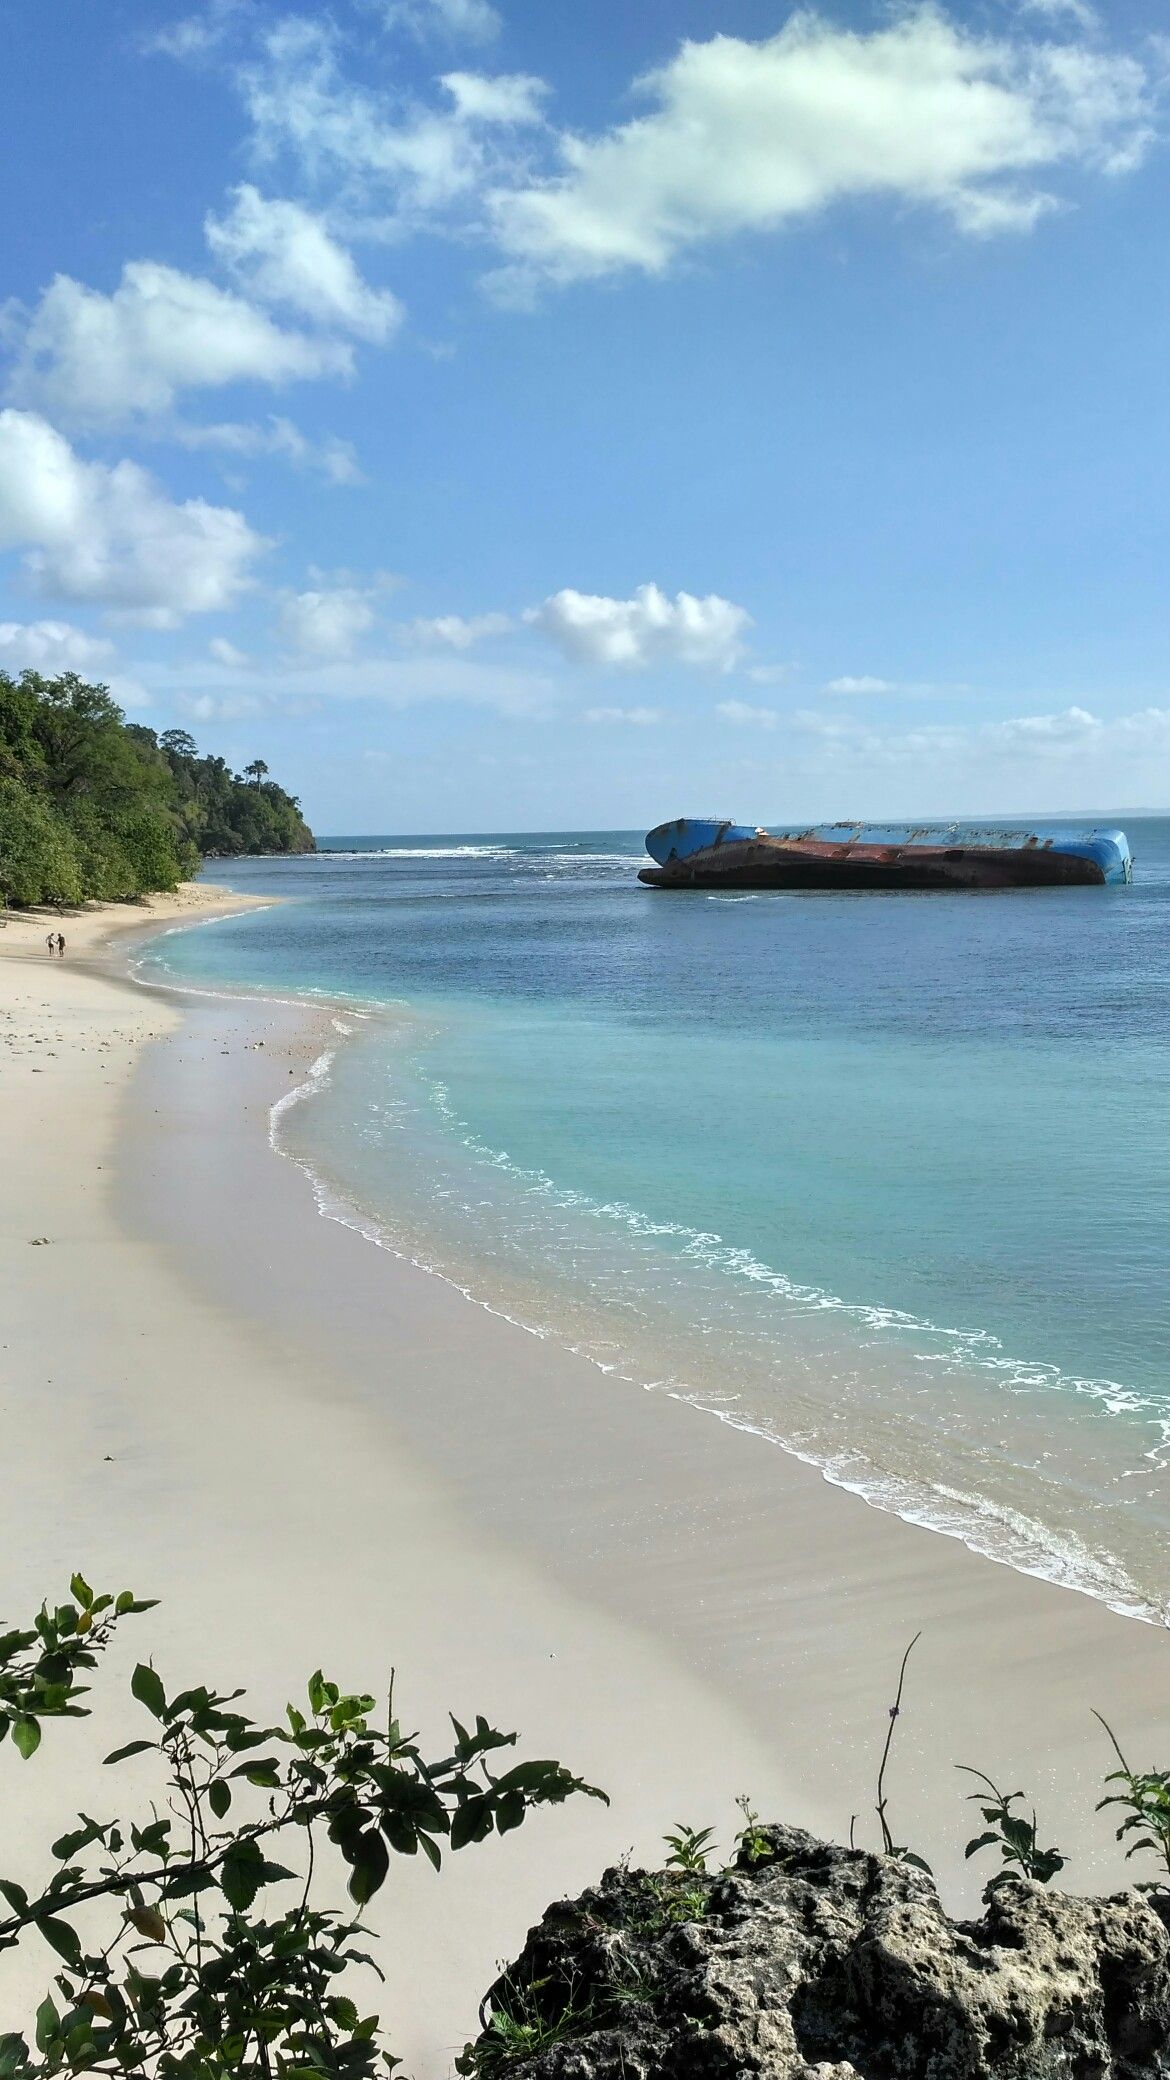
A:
x: 1009, y: 749
x: 98, y: 360
x: 458, y: 21
x: 744, y: 137
x: 303, y: 685
x: 283, y: 254
x: 1071, y: 727
x: 1077, y: 761
x: 1077, y: 11
x: 458, y: 632
x: 402, y: 156
x: 209, y: 707
x: 326, y: 623
x: 507, y: 98
x: 91, y: 531
x: 336, y: 460
x: 641, y: 718
x: 196, y: 36
x: 128, y: 692
x: 742, y: 713
x: 769, y: 674
x: 51, y: 647
x: 226, y: 653
x: 648, y: 629
x: 865, y: 683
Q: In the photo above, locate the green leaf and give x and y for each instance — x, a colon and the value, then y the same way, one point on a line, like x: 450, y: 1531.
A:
x: 48, y: 2023
x: 15, y: 1894
x: 219, y: 1797
x: 63, y: 1938
x: 67, y: 1845
x: 264, y: 1775
x: 79, y: 1587
x: 241, y: 1873
x: 13, y: 2055
x: 27, y: 1735
x: 147, y: 1687
x: 131, y: 1748
x: 371, y: 1861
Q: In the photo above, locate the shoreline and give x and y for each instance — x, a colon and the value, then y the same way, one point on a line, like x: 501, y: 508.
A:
x: 895, y: 1550
x: 322, y: 1454
x: 1056, y: 1562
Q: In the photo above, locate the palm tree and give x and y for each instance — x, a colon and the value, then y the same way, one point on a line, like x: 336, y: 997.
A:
x: 256, y: 772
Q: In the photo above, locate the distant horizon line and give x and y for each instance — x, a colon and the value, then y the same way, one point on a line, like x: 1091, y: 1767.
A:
x: 620, y: 829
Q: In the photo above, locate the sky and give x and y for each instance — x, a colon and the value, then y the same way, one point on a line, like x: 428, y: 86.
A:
x: 500, y: 415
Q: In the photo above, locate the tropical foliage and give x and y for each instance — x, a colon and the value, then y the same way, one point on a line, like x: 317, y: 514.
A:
x: 183, y: 1946
x: 92, y: 806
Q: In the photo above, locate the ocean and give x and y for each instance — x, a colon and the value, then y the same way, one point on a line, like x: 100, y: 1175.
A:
x: 884, y: 1179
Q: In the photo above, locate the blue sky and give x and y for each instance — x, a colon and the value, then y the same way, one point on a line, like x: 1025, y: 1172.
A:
x: 515, y: 416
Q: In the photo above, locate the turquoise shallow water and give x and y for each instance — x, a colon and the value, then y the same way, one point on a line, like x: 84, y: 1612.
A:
x: 884, y: 1178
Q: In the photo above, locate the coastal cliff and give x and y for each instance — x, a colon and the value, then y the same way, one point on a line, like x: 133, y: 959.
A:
x: 809, y: 1959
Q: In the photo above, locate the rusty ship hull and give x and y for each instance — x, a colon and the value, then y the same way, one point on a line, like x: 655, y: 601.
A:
x: 713, y: 854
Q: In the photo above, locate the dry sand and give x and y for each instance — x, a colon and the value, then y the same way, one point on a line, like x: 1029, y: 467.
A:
x: 315, y: 1453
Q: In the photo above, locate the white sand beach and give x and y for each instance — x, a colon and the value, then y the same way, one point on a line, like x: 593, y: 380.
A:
x: 316, y: 1453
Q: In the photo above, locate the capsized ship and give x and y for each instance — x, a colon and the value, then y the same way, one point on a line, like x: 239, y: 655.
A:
x: 706, y: 852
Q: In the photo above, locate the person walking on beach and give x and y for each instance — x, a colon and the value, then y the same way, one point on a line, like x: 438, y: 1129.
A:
x: 61, y: 945
x: 51, y: 943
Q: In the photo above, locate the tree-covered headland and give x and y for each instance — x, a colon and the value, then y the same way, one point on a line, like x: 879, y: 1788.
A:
x: 93, y: 807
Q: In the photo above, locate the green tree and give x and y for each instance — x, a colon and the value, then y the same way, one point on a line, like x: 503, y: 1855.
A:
x: 105, y: 808
x: 38, y: 854
x: 177, y: 743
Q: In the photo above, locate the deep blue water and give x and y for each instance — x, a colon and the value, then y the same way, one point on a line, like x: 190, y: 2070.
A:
x: 884, y: 1177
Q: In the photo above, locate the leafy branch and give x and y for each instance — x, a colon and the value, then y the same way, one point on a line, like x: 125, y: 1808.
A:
x: 194, y: 1972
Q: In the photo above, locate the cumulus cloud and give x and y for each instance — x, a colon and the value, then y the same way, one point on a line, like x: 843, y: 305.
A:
x: 865, y: 683
x: 326, y: 623
x: 743, y: 714
x: 226, y: 653
x: 641, y: 718
x: 1072, y: 726
x: 283, y: 254
x: 51, y: 647
x: 335, y: 460
x: 99, y: 360
x: 1077, y: 11
x: 209, y: 707
x: 745, y: 137
x: 650, y: 628
x: 458, y: 631
x: 300, y: 684
x: 508, y: 98
x: 1065, y: 741
x: 456, y: 21
x: 110, y: 534
x: 401, y: 157
x: 196, y: 36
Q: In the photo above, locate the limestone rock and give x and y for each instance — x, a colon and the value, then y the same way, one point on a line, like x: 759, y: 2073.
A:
x: 822, y: 1963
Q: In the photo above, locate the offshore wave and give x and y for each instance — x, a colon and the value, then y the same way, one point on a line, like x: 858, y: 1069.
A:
x: 520, y: 858
x: 949, y: 1348
x: 419, y: 852
x: 994, y: 1529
